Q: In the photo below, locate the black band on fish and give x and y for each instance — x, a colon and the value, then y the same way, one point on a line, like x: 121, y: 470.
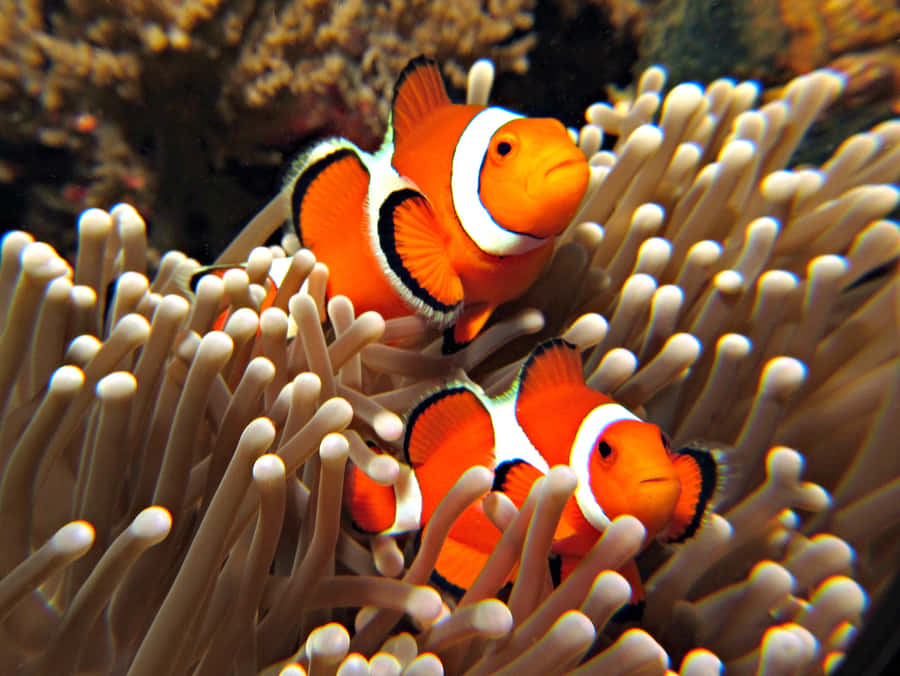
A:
x: 708, y: 481
x: 306, y: 178
x: 388, y: 244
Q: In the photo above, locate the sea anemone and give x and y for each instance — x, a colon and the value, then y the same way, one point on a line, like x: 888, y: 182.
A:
x: 171, y: 494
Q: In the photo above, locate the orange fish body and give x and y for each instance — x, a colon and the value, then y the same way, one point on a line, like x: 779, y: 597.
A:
x: 454, y: 215
x: 550, y: 417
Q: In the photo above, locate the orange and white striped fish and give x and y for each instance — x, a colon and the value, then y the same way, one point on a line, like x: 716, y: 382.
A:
x: 455, y: 214
x: 277, y: 272
x: 549, y: 417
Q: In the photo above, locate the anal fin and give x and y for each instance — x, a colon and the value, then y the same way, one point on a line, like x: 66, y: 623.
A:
x: 466, y: 549
x: 633, y: 611
x: 457, y: 566
x: 471, y: 320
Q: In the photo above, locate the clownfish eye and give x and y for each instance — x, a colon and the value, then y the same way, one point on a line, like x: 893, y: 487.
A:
x: 503, y: 146
x: 604, y: 449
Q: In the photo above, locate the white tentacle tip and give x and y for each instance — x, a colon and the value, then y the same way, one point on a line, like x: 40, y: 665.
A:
x: 152, y: 523
x: 73, y: 539
x: 340, y: 409
x: 41, y: 260
x: 334, y: 448
x: 782, y: 375
x: 268, y: 467
x: 387, y: 425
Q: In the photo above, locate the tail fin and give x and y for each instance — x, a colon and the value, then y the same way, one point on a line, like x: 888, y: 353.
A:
x: 372, y: 507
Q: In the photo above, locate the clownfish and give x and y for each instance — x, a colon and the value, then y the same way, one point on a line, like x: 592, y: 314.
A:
x: 455, y: 214
x: 549, y: 417
x: 277, y: 272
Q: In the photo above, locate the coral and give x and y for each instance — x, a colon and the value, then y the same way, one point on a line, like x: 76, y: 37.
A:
x: 825, y: 29
x: 746, y: 37
x: 774, y: 40
x: 177, y: 90
x: 171, y: 494
x: 764, y: 40
x: 623, y: 14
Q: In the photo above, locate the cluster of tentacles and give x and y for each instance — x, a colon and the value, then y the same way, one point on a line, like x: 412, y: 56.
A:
x: 171, y: 494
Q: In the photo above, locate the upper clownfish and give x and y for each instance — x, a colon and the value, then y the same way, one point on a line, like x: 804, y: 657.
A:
x: 455, y: 214
x: 623, y: 465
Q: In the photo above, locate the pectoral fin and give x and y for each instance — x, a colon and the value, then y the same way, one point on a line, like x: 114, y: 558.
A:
x: 698, y: 472
x: 418, y: 265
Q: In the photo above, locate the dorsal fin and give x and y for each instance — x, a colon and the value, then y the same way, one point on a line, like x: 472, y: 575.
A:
x: 551, y: 364
x: 419, y: 90
x: 450, y: 425
x: 551, y: 387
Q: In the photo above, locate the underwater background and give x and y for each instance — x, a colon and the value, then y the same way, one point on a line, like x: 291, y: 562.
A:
x: 191, y: 111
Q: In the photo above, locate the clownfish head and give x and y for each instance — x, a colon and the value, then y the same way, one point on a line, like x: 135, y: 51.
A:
x: 533, y: 177
x: 631, y: 472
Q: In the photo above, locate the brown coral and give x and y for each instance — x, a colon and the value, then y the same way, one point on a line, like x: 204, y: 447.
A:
x: 823, y: 29
x: 772, y: 41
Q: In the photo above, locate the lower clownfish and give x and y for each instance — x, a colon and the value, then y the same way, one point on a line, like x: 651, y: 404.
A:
x: 549, y: 417
x: 455, y: 214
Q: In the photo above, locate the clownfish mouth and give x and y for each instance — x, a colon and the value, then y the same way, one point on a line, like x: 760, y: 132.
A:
x: 657, y: 479
x: 572, y: 161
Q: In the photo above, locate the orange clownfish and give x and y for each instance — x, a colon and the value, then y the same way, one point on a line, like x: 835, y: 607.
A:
x: 549, y: 417
x: 277, y: 272
x: 455, y: 214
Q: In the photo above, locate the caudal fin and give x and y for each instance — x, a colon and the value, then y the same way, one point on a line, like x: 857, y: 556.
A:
x: 327, y: 181
x: 372, y: 507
